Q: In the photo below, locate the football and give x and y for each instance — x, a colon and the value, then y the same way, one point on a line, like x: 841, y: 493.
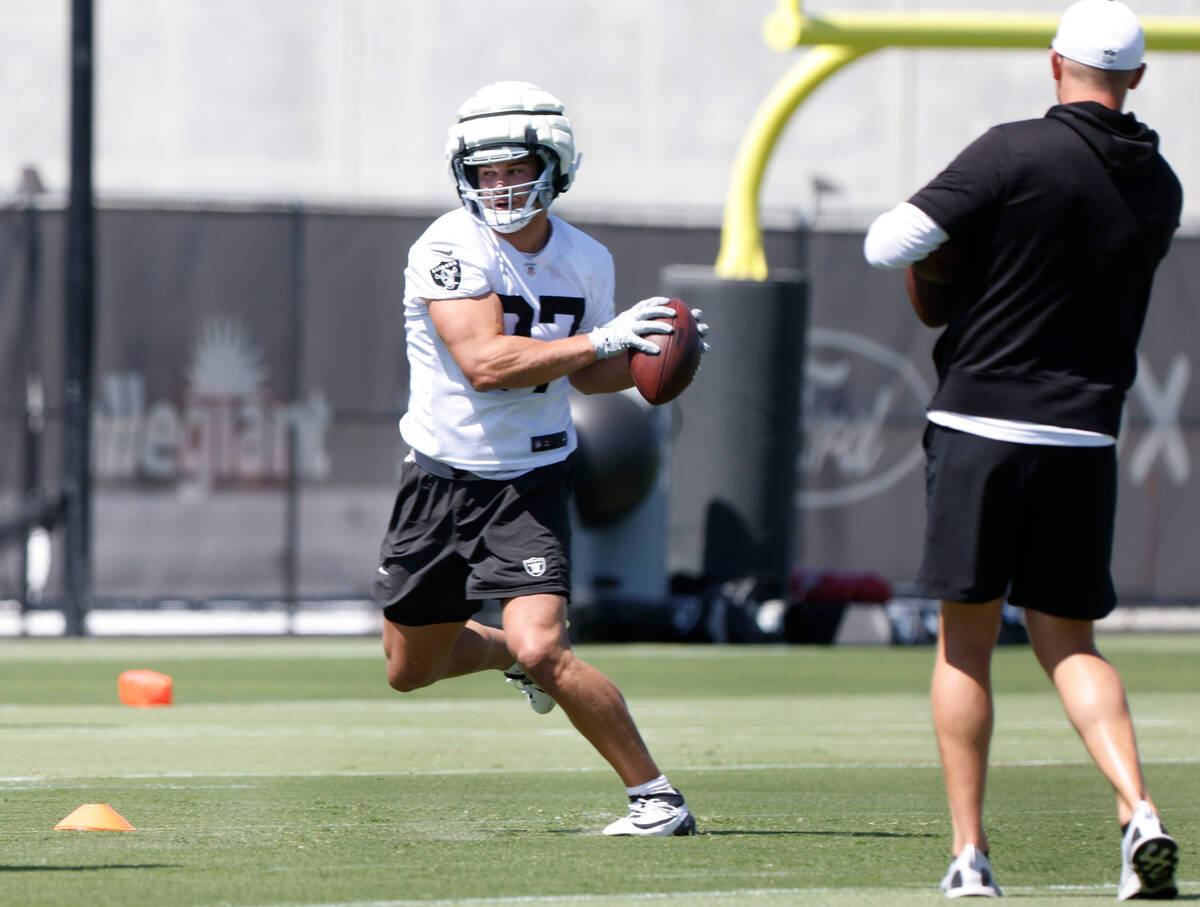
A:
x: 662, y: 378
x: 932, y: 283
x: 933, y: 302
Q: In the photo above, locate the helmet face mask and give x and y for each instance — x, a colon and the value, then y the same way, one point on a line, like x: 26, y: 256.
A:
x: 506, y: 208
x: 502, y: 122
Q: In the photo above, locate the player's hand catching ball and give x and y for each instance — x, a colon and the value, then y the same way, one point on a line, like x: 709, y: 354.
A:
x: 626, y: 330
x: 663, y: 376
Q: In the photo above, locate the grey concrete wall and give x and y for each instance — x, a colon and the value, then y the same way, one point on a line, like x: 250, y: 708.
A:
x: 349, y: 100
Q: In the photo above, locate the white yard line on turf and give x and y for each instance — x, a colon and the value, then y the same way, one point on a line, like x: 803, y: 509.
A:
x: 750, y: 767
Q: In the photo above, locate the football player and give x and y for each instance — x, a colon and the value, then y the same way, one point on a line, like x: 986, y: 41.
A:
x: 1053, y: 227
x: 504, y: 306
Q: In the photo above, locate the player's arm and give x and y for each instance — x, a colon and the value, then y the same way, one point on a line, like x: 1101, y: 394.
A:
x: 473, y: 331
x: 901, y: 237
x: 931, y: 235
x: 604, y: 376
x: 906, y: 237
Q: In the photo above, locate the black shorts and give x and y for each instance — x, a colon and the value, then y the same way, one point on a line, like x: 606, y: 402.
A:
x: 451, y: 544
x: 1033, y: 520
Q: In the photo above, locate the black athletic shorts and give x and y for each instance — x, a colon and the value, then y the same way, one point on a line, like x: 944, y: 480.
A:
x: 1032, y: 520
x: 453, y: 543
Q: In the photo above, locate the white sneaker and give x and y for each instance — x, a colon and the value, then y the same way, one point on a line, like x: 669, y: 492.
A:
x: 970, y: 876
x: 658, y: 815
x: 539, y: 699
x: 1148, y: 858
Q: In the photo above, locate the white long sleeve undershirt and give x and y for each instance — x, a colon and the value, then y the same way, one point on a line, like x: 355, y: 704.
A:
x: 902, y: 236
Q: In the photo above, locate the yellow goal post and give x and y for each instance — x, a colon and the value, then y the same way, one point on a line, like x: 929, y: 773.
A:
x: 838, y: 39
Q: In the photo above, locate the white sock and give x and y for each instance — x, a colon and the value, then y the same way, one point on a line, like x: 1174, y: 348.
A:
x: 659, y: 785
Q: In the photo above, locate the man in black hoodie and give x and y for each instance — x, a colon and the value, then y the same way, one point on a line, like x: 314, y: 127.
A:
x: 1037, y: 247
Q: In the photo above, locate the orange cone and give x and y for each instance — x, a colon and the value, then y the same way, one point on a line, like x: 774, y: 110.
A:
x: 94, y: 817
x: 144, y: 689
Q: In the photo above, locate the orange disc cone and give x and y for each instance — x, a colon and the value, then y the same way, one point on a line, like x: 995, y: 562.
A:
x: 94, y: 817
x: 143, y: 689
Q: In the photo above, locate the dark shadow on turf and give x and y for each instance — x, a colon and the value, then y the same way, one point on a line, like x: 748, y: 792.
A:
x: 96, y: 868
x: 1081, y: 894
x: 825, y: 834
x: 702, y: 831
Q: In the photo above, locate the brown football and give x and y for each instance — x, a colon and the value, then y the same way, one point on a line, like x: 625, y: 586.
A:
x: 664, y: 377
x: 933, y: 283
x: 933, y: 302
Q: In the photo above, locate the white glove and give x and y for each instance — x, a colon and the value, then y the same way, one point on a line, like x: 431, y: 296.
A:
x: 625, y: 331
x: 701, y: 329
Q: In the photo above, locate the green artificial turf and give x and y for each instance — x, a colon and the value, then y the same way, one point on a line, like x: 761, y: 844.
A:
x: 286, y: 772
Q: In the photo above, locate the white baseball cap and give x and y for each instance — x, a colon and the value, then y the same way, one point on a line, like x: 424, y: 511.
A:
x: 1104, y: 34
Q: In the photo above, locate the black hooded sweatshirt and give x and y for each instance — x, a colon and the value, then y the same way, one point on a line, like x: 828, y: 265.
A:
x: 1062, y: 221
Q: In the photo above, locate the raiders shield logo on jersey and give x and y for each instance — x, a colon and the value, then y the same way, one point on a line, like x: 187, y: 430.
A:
x: 534, y: 566
x: 447, y: 273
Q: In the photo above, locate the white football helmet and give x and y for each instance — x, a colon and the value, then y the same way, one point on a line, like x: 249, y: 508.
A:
x: 505, y: 121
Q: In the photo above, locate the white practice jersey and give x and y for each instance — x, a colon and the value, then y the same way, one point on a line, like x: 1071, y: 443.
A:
x: 565, y: 289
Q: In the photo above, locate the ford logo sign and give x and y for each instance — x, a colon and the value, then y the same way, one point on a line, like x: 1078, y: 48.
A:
x: 864, y: 411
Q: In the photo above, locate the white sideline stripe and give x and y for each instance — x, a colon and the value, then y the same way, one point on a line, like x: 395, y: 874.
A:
x: 750, y: 767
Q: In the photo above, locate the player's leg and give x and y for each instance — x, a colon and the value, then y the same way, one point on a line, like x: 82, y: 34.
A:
x: 535, y: 631
x: 963, y: 712
x: 1063, y: 581
x: 421, y: 655
x: 516, y: 537
x: 1094, y: 697
x: 972, y: 505
x: 535, y: 628
x: 428, y: 630
x: 523, y: 558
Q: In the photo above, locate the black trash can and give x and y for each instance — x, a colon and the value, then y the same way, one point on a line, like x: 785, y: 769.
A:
x: 734, y: 456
